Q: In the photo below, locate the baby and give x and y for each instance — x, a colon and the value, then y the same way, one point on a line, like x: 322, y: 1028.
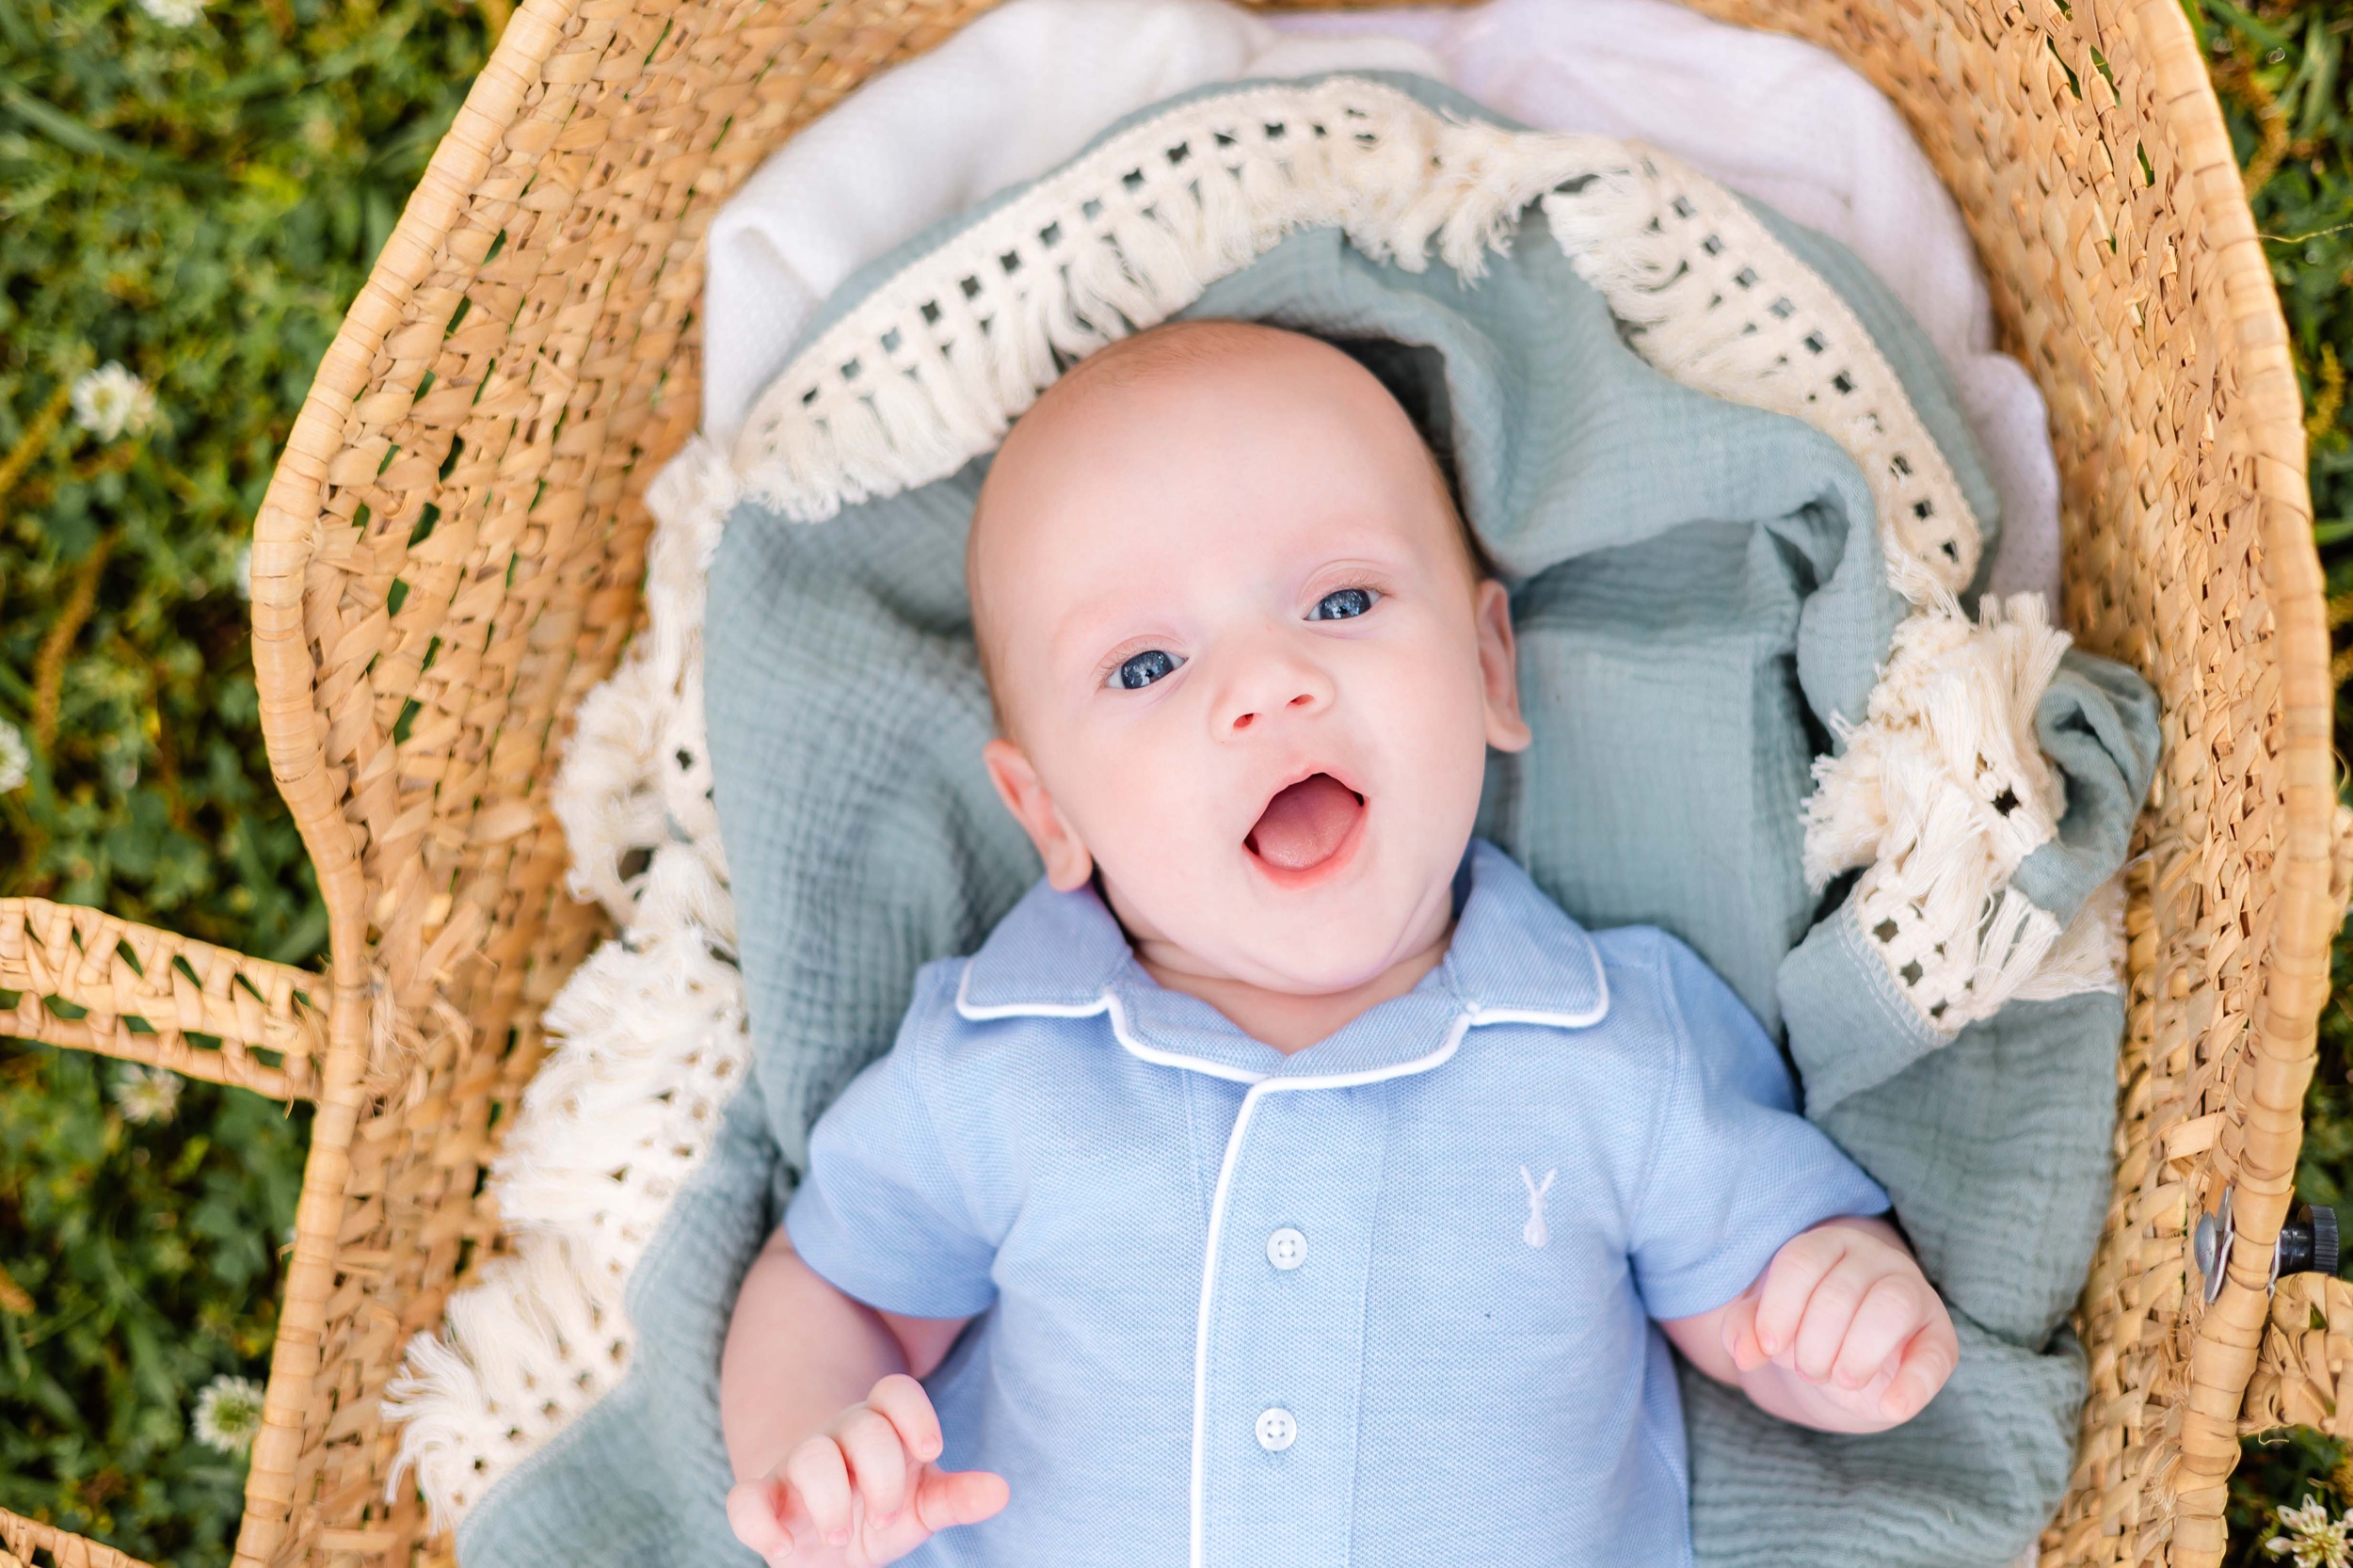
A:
x: 1287, y: 1179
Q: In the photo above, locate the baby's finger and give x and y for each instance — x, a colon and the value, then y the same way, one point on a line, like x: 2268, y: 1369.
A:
x: 756, y: 1513
x: 1738, y: 1328
x: 877, y: 1461
x: 946, y: 1498
x: 1890, y: 1313
x: 821, y: 1478
x: 1928, y: 1362
x: 1829, y: 1314
x: 903, y: 1399
x: 1789, y: 1281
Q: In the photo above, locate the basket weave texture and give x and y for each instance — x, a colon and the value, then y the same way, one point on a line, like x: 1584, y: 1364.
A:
x: 450, y: 552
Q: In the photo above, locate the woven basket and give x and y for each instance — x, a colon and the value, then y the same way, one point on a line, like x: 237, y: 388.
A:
x: 450, y: 553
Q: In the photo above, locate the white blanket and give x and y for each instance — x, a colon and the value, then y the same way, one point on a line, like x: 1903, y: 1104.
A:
x: 1023, y: 87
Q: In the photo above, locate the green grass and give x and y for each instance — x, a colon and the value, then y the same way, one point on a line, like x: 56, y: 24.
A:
x: 199, y: 204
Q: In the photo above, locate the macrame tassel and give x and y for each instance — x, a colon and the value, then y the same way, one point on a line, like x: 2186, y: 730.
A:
x: 1940, y: 793
x: 933, y: 368
x: 530, y: 1345
x: 612, y: 803
x: 2089, y: 953
x: 632, y: 770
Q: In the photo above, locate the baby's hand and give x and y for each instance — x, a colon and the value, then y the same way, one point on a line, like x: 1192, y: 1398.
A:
x: 1845, y: 1308
x: 864, y: 1491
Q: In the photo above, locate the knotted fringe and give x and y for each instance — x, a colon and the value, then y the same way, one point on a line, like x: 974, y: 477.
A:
x: 649, y: 1038
x: 931, y: 368
x: 1939, y: 794
x: 535, y: 1340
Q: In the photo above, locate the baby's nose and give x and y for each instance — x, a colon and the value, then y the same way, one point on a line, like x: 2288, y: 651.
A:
x: 1277, y: 687
x: 1304, y: 699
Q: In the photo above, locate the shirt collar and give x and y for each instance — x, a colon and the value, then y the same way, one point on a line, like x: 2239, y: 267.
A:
x: 1515, y: 958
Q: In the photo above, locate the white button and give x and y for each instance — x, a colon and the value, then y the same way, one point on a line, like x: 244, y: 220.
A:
x: 1286, y: 1248
x: 1276, y: 1429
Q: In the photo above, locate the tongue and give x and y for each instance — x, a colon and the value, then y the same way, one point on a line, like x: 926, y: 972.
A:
x: 1304, y: 825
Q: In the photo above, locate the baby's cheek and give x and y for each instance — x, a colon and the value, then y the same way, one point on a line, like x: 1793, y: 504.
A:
x: 1429, y: 710
x: 1149, y: 805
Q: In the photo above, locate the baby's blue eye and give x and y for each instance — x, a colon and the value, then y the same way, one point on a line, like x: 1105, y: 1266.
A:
x: 1343, y: 605
x: 1144, y: 668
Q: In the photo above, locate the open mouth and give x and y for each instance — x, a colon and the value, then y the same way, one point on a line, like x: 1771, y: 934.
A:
x: 1307, y: 823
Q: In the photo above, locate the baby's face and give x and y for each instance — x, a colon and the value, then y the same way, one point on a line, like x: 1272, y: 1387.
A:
x: 1244, y: 663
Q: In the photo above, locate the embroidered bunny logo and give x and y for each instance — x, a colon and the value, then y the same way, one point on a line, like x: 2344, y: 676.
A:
x: 1535, y: 1233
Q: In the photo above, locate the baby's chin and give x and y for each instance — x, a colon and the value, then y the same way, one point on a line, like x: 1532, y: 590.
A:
x: 1231, y: 957
x: 1322, y: 939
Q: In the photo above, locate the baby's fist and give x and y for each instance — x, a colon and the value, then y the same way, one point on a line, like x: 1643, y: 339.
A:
x: 1845, y: 1308
x: 865, y: 1491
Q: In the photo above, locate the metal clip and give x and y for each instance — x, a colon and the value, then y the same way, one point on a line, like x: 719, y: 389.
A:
x: 2211, y: 1245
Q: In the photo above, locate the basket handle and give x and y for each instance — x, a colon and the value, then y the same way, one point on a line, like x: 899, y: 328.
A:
x: 20, y: 1537
x: 89, y: 980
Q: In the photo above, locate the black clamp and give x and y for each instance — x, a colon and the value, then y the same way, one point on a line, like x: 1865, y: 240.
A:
x: 2308, y: 1242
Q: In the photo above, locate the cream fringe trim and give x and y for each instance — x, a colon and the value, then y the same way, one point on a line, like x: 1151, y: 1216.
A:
x: 1939, y: 795
x: 928, y: 372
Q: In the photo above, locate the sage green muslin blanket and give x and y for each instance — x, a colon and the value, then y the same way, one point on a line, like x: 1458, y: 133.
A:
x: 1702, y: 606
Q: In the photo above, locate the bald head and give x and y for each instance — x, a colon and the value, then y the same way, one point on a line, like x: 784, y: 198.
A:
x: 1245, y: 666
x: 1175, y: 404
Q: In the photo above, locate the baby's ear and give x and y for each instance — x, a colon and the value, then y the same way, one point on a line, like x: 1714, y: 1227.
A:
x: 1068, y: 864
x: 1499, y: 668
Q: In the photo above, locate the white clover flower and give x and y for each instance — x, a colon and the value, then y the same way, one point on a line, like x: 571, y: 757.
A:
x: 16, y: 757
x: 146, y: 1094
x: 173, y: 13
x: 2312, y: 1538
x: 228, y: 1414
x: 110, y: 400
x: 244, y: 571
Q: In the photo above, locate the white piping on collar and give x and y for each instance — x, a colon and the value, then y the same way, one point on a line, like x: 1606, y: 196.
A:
x: 983, y: 1013
x: 1107, y: 1003
x: 1479, y: 1015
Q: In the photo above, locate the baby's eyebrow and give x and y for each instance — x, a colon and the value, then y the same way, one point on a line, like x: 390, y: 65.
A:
x: 1086, y: 632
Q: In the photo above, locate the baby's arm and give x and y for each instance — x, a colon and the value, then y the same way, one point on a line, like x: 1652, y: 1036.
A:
x: 832, y: 1440
x: 1841, y: 1331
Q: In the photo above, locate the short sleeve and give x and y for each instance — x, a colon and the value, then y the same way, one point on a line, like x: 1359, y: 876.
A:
x: 1734, y: 1171
x: 882, y: 1214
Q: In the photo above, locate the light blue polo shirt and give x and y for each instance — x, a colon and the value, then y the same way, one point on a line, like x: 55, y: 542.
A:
x: 1385, y: 1300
